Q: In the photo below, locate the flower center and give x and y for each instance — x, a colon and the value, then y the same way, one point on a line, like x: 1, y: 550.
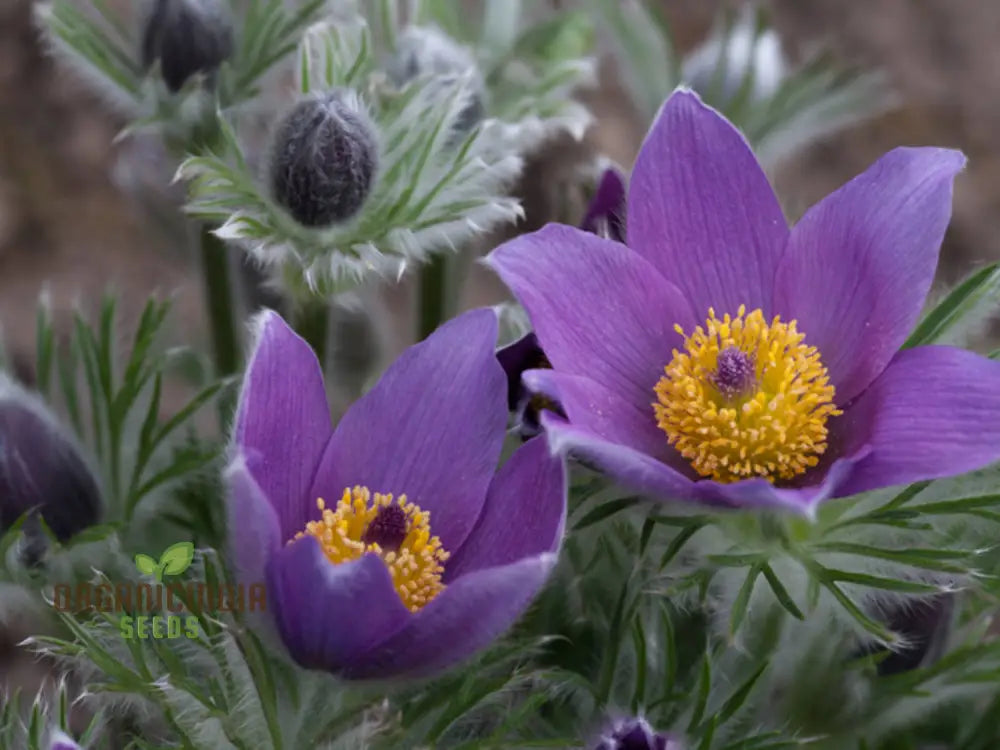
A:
x: 746, y: 399
x: 397, y: 531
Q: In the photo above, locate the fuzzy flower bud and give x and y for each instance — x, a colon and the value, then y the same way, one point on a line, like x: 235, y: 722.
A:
x: 186, y: 37
x: 426, y: 51
x: 636, y: 734
x: 925, y: 627
x: 324, y: 159
x: 41, y: 468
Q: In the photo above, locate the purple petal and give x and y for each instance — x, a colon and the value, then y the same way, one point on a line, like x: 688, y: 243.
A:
x: 702, y: 211
x: 468, y: 615
x: 860, y: 262
x: 933, y: 412
x: 282, y: 423
x: 598, y: 308
x: 645, y: 474
x: 524, y: 514
x: 328, y: 614
x: 254, y: 527
x: 606, y: 213
x: 62, y: 741
x: 523, y: 354
x: 432, y: 428
x: 592, y: 407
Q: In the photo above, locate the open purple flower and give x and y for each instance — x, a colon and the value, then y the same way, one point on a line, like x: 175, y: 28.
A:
x: 723, y: 357
x: 605, y: 217
x: 636, y: 734
x: 368, y: 584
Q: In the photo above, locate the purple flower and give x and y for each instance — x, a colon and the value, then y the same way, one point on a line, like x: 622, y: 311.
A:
x: 377, y: 585
x: 605, y: 217
x: 42, y: 468
x: 635, y: 734
x: 725, y: 358
x: 62, y: 741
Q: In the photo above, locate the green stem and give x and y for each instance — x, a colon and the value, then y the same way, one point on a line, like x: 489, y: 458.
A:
x: 220, y: 303
x: 312, y: 322
x: 433, y: 294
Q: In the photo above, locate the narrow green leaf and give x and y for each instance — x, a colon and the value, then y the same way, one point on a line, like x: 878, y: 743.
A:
x: 957, y: 306
x: 704, y: 690
x: 678, y: 542
x: 742, y: 601
x: 739, y: 698
x: 781, y: 593
x: 605, y: 510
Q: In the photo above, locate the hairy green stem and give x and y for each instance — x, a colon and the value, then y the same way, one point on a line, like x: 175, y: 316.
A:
x: 433, y: 295
x: 312, y: 322
x: 220, y: 303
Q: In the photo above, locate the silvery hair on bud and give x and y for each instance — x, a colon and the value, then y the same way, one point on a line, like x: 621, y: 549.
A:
x: 426, y: 51
x: 186, y: 37
x: 324, y: 158
x: 41, y: 467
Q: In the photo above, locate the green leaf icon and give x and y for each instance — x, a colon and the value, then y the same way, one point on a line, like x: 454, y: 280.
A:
x: 145, y: 564
x: 177, y: 558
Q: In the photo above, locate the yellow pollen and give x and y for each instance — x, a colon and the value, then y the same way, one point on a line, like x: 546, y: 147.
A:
x: 415, y: 567
x: 771, y: 424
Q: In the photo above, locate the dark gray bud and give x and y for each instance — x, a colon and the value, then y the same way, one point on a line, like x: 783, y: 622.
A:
x: 324, y: 159
x: 41, y: 469
x: 925, y: 626
x: 186, y: 37
x: 636, y: 734
x: 426, y: 51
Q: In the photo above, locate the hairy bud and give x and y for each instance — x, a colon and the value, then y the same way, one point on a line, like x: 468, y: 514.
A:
x: 925, y: 626
x: 636, y: 734
x: 324, y: 159
x: 426, y: 51
x: 186, y: 37
x: 41, y: 468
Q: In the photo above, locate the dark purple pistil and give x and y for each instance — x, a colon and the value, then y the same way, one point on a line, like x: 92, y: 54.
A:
x: 388, y: 529
x: 735, y: 373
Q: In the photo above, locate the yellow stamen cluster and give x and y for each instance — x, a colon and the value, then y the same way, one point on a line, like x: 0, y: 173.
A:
x: 774, y: 428
x: 416, y: 566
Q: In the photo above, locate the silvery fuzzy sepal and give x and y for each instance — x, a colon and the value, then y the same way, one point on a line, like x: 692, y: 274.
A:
x: 429, y: 193
x: 538, y: 61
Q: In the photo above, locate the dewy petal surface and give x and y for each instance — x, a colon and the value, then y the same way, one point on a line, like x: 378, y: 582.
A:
x: 598, y: 309
x: 524, y: 514
x: 701, y: 209
x: 329, y: 614
x: 432, y: 428
x: 283, y: 423
x: 469, y: 614
x: 861, y: 261
x: 933, y: 412
x: 254, y: 527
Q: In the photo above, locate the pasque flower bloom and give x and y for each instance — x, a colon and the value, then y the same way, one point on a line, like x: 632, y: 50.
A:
x: 390, y: 545
x: 723, y: 357
x: 636, y: 734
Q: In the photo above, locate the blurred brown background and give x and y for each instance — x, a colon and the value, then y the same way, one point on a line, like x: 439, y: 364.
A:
x: 71, y: 220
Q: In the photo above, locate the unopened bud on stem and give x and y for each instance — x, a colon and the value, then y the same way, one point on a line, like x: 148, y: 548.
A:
x: 186, y: 37
x: 324, y: 159
x: 41, y: 468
